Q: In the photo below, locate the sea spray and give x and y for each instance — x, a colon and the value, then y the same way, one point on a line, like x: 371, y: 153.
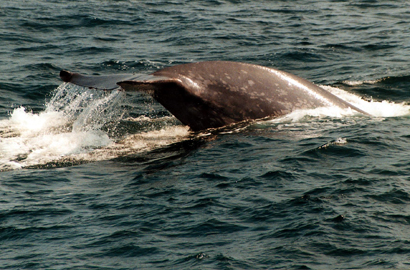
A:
x: 78, y: 125
x: 70, y: 125
x: 88, y: 109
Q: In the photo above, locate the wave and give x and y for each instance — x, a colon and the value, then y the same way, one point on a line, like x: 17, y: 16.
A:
x: 393, y: 88
x: 385, y: 81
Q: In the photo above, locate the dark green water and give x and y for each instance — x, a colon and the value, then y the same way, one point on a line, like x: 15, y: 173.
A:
x: 93, y: 180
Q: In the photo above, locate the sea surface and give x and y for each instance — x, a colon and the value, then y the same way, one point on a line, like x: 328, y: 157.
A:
x: 111, y: 180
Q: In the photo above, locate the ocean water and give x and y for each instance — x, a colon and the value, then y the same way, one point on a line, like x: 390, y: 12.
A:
x: 111, y: 180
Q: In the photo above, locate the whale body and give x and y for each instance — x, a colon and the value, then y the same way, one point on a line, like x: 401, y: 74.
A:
x: 213, y: 94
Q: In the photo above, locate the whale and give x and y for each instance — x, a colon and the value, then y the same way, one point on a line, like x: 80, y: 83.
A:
x: 214, y: 94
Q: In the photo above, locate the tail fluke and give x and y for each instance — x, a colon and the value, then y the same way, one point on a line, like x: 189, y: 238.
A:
x: 104, y: 82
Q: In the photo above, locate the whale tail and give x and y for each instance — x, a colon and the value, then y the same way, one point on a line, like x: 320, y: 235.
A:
x: 107, y: 82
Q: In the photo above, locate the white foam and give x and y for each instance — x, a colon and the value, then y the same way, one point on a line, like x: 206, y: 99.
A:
x: 29, y: 139
x: 356, y: 83
x: 70, y: 129
x: 310, y: 122
x: 376, y: 108
x: 30, y: 124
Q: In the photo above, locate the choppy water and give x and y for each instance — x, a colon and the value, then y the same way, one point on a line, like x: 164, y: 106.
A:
x: 94, y: 180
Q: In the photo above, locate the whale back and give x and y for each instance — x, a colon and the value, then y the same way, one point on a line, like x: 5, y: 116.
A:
x: 217, y: 93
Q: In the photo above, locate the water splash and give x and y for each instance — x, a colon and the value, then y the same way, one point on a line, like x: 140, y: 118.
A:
x: 71, y: 124
x: 78, y: 125
x: 88, y: 109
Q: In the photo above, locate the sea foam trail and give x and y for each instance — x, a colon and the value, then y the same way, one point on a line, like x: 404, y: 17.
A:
x: 74, y: 128
x: 378, y: 109
x: 30, y: 139
x: 77, y: 126
x: 375, y: 108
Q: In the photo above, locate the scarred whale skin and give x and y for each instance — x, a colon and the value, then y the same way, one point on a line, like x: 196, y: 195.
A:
x: 218, y: 93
